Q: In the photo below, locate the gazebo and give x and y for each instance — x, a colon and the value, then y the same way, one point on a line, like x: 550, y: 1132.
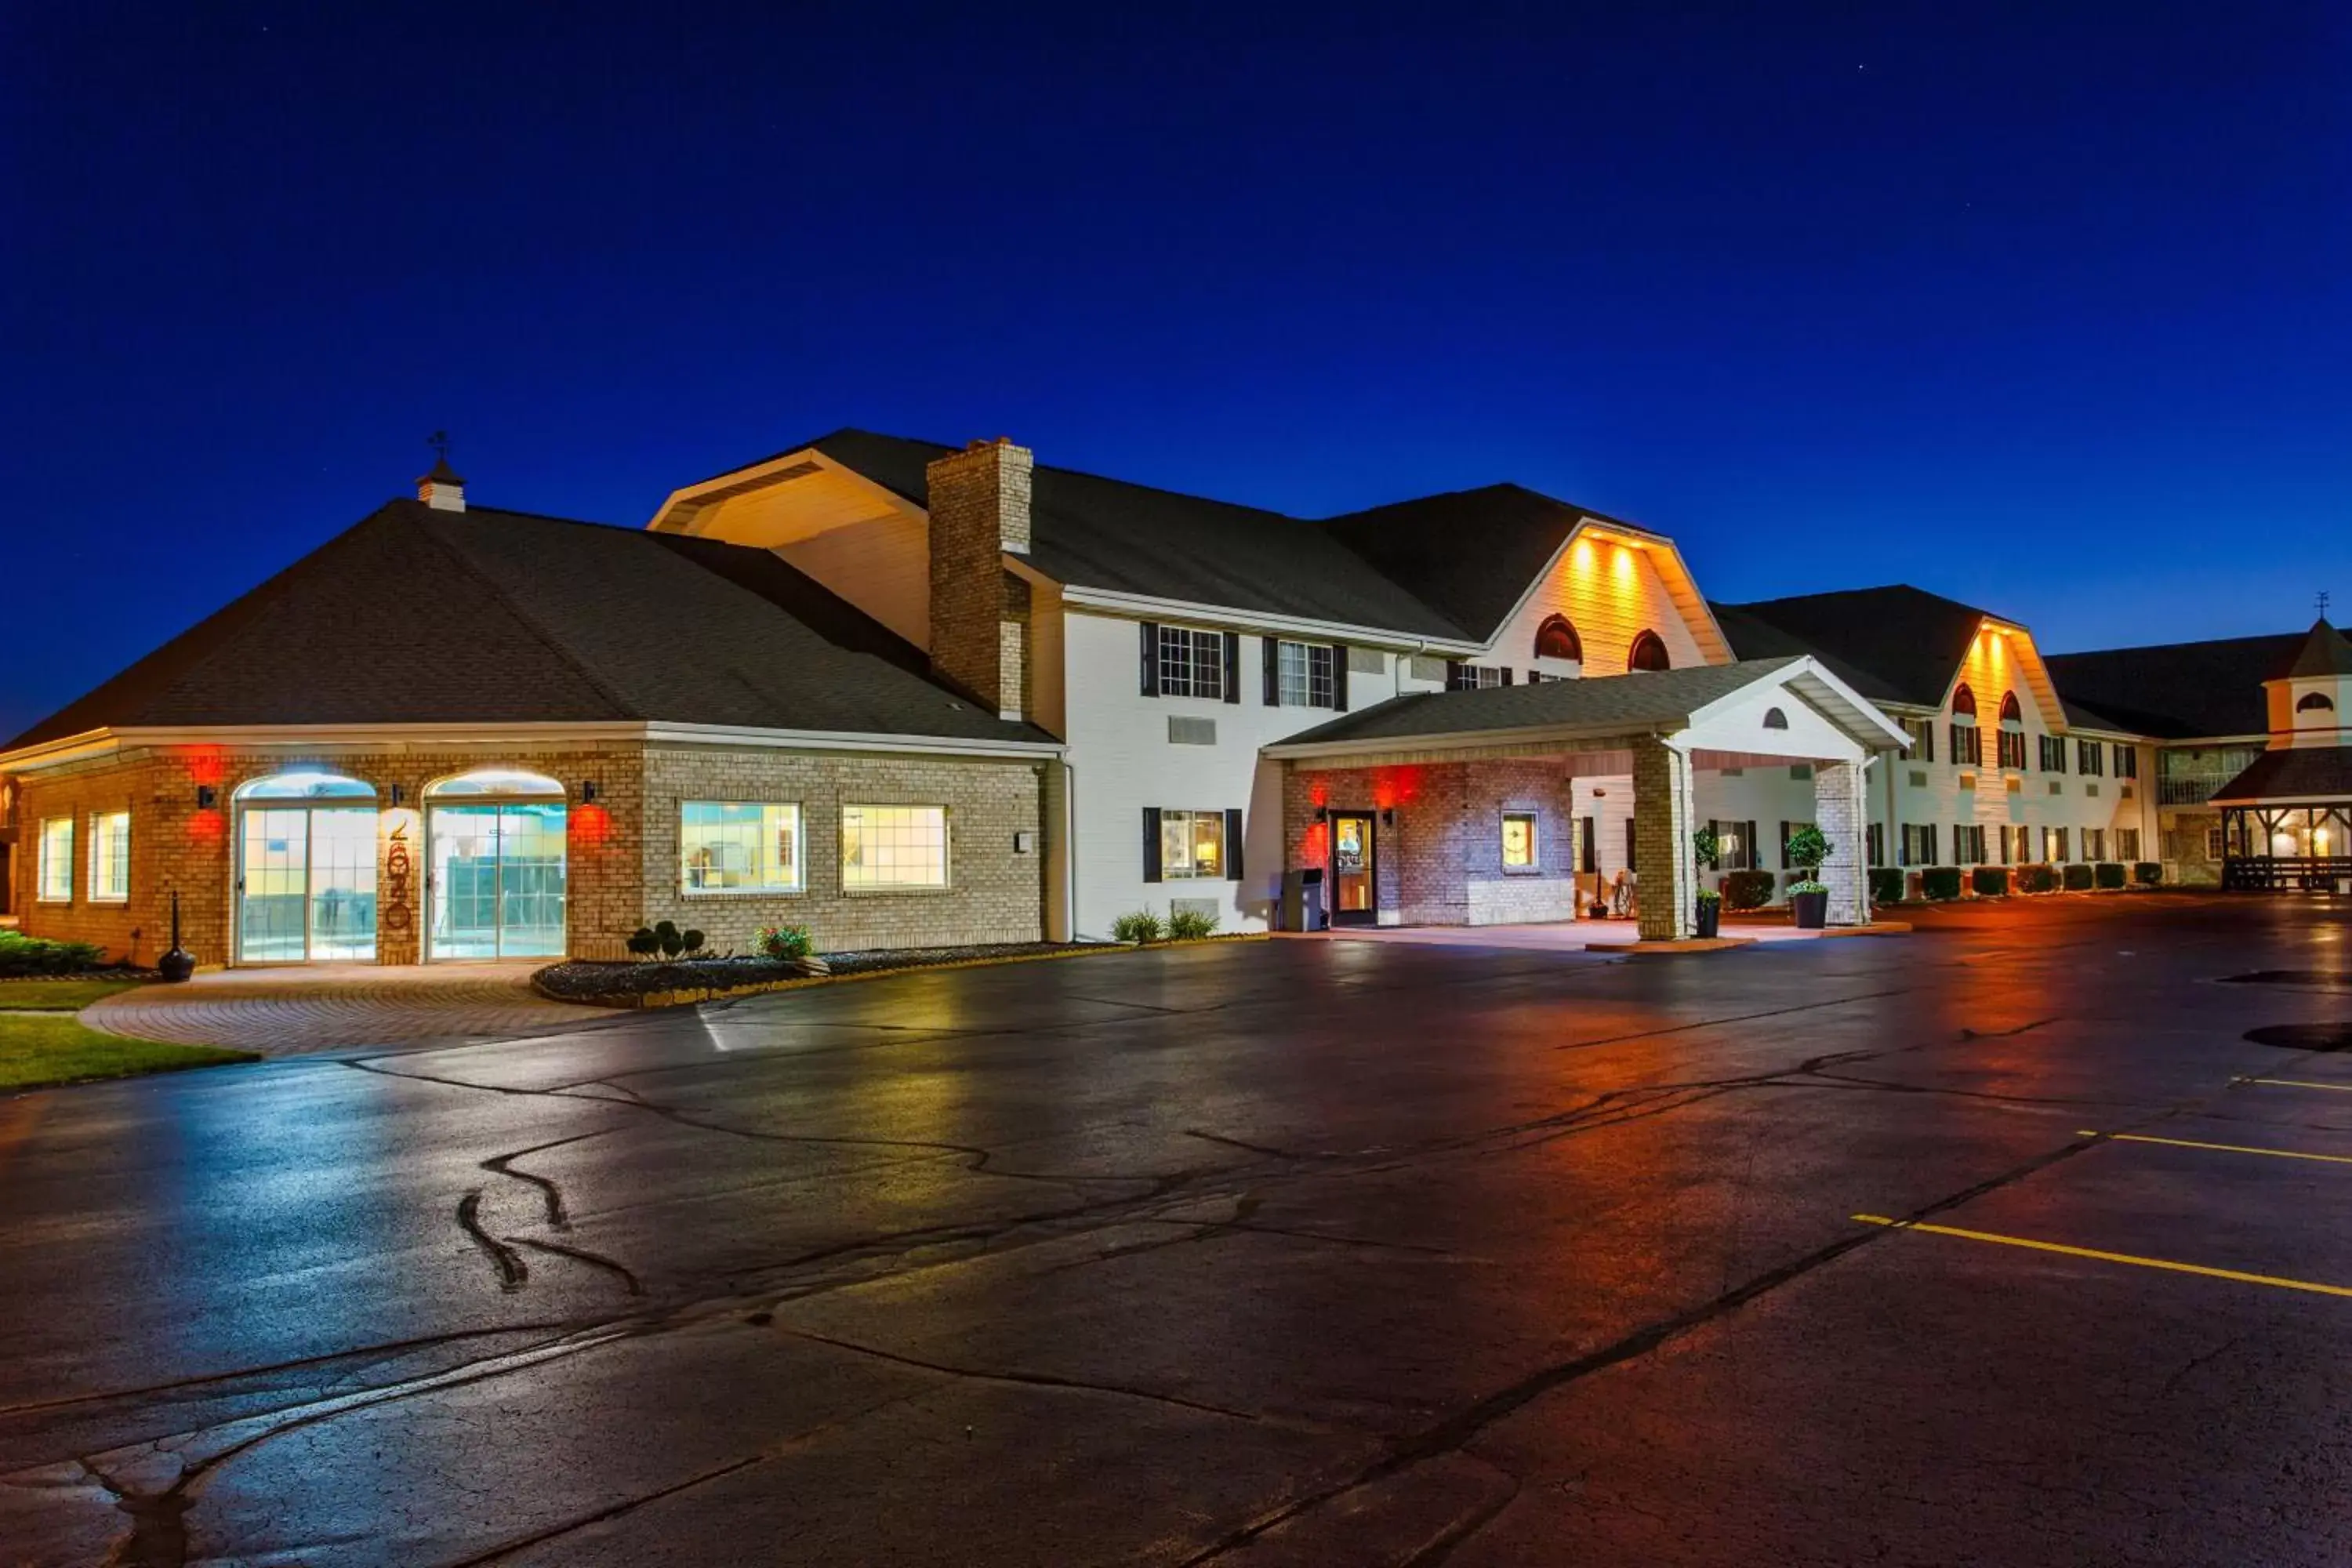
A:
x: 2286, y: 820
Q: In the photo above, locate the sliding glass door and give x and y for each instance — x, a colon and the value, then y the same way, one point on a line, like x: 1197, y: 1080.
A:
x: 304, y: 873
x: 498, y: 879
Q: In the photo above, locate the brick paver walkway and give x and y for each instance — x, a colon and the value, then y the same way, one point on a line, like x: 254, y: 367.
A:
x: 278, y: 1011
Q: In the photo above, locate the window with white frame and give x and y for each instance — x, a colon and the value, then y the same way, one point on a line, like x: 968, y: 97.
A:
x: 2089, y: 757
x: 738, y: 847
x: 1303, y: 675
x: 56, y: 870
x: 2126, y: 843
x: 2054, y: 845
x: 1922, y: 748
x: 1918, y: 844
x: 1520, y: 841
x: 1192, y: 846
x: 1476, y: 676
x: 2095, y: 844
x: 2126, y: 761
x: 1191, y: 663
x: 1969, y: 844
x: 888, y: 848
x: 2054, y: 752
x: 110, y: 857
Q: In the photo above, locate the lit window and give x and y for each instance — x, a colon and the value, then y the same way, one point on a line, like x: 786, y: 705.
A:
x: 1556, y: 638
x: 1192, y: 845
x: 1649, y: 653
x: 1303, y: 675
x: 1969, y: 844
x: 2126, y: 843
x: 57, y: 860
x: 110, y: 857
x: 1519, y: 841
x: 2095, y: 844
x: 894, y: 847
x: 738, y: 847
x: 1191, y: 663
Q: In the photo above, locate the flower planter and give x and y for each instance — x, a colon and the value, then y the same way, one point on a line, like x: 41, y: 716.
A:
x: 1708, y: 920
x: 1811, y: 911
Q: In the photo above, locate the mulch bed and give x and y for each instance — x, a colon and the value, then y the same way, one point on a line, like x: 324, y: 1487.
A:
x: 666, y: 982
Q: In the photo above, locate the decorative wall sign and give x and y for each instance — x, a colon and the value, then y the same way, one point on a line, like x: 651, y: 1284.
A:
x: 392, y: 912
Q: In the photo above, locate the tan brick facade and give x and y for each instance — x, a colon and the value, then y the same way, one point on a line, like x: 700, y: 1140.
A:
x: 1437, y: 841
x: 622, y: 849
x: 979, y: 624
x: 1663, y: 858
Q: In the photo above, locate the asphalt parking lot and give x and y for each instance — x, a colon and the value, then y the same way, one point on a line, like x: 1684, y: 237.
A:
x: 1996, y: 1244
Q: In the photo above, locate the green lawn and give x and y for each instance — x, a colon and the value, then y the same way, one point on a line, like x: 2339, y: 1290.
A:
x: 56, y: 996
x: 37, y: 1050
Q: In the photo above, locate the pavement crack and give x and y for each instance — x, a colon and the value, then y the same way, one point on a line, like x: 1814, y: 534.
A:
x: 628, y: 1505
x: 503, y: 1164
x: 582, y: 1255
x: 513, y: 1272
x: 1734, y: 1018
x: 2178, y: 1378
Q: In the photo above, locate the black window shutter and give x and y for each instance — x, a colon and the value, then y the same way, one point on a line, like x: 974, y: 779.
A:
x: 1151, y: 844
x: 1272, y: 671
x: 1629, y: 845
x: 1338, y: 677
x: 1928, y: 741
x: 1928, y: 833
x: 1784, y: 846
x: 1152, y: 658
x: 1233, y: 844
x: 1233, y: 666
x: 1458, y: 674
x: 1590, y: 859
x: 1752, y: 854
x: 1506, y: 675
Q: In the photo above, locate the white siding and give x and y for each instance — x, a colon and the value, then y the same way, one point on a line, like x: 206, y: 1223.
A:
x: 1610, y: 593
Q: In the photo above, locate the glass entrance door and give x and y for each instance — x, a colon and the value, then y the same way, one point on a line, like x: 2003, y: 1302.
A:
x: 498, y: 880
x: 1352, y: 899
x: 306, y: 883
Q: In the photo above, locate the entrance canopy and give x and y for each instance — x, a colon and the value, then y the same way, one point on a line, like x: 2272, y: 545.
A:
x: 2286, y: 821
x: 1788, y: 707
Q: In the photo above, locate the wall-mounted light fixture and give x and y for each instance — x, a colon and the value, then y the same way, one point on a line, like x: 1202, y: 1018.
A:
x: 588, y: 793
x: 206, y: 796
x: 1322, y: 814
x: 398, y: 795
x: 1388, y: 816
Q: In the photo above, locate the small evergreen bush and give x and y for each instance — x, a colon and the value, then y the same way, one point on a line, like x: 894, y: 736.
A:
x: 2078, y: 879
x: 22, y: 956
x: 1141, y: 925
x: 1989, y: 881
x: 2108, y: 874
x: 2147, y: 873
x: 663, y: 938
x: 1191, y: 925
x: 1886, y: 884
x: 1746, y: 889
x: 2037, y: 878
x: 1940, y: 882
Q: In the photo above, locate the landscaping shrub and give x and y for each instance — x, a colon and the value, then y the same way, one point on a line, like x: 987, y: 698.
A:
x: 1940, y: 882
x: 1191, y: 925
x: 2108, y: 874
x: 1989, y: 881
x: 785, y: 941
x: 666, y: 939
x: 2147, y: 873
x: 1746, y: 889
x: 1886, y: 885
x: 2037, y: 878
x: 1143, y: 925
x: 21, y: 954
x: 2078, y: 879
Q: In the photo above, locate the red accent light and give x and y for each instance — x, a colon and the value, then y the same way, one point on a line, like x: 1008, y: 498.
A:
x: 207, y: 827
x: 206, y: 765
x: 591, y: 825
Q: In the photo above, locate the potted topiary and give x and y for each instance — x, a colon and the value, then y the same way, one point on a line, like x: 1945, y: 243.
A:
x: 1707, y: 917
x: 1809, y: 899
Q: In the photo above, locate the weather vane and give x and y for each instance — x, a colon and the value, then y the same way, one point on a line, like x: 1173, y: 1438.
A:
x: 2323, y: 604
x: 439, y: 442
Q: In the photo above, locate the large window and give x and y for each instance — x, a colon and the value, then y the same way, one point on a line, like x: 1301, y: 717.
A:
x: 2054, y: 753
x: 2126, y: 761
x: 1918, y: 844
x: 1303, y: 675
x: 1191, y: 663
x: 1476, y: 676
x: 2089, y: 757
x: 110, y: 857
x: 1922, y: 748
x: 1967, y: 743
x: 893, y: 847
x: 2126, y: 843
x: 1192, y: 846
x: 1734, y: 847
x: 738, y: 847
x: 2054, y: 845
x: 57, y: 860
x: 1969, y: 844
x: 2095, y: 844
x: 1520, y: 841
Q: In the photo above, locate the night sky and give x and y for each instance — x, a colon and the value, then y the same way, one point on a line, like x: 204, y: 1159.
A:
x: 2044, y: 307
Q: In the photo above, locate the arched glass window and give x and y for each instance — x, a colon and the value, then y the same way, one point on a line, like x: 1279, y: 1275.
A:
x: 305, y: 784
x: 507, y: 784
x: 1649, y: 653
x: 1558, y: 639
x: 2011, y: 713
x: 2315, y: 702
x: 1775, y: 719
x: 1963, y: 702
x: 1967, y: 745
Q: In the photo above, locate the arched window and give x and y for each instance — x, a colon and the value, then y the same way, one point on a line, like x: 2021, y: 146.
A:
x: 1775, y: 719
x: 505, y: 783
x: 305, y: 784
x: 1558, y: 639
x: 1963, y: 702
x: 2315, y: 702
x: 1649, y: 653
x: 2011, y: 713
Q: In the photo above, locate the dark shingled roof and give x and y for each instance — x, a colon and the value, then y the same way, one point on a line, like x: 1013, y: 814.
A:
x: 2324, y: 652
x: 2179, y: 691
x: 2293, y: 772
x: 1631, y: 702
x: 1895, y: 644
x: 1471, y: 554
x: 1094, y: 532
x: 417, y: 616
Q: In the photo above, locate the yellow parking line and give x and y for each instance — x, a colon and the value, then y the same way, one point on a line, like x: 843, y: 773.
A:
x: 2297, y: 1083
x: 2099, y: 1256
x: 2218, y: 1148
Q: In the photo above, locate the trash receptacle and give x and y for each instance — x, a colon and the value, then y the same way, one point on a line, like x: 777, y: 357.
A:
x: 1302, y: 900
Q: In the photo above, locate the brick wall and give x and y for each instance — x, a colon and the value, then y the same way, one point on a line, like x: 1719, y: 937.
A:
x: 622, y: 849
x: 1440, y: 861
x: 978, y: 505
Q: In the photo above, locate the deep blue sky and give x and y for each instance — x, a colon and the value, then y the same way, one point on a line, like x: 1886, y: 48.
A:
x: 2046, y: 307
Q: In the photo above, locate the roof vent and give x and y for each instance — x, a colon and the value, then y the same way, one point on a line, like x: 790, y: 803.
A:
x: 440, y: 487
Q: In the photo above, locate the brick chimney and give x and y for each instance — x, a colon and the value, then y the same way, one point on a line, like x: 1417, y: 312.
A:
x: 441, y: 489
x: 980, y: 612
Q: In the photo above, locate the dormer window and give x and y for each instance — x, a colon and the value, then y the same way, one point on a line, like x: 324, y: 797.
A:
x: 1556, y: 638
x: 1649, y: 652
